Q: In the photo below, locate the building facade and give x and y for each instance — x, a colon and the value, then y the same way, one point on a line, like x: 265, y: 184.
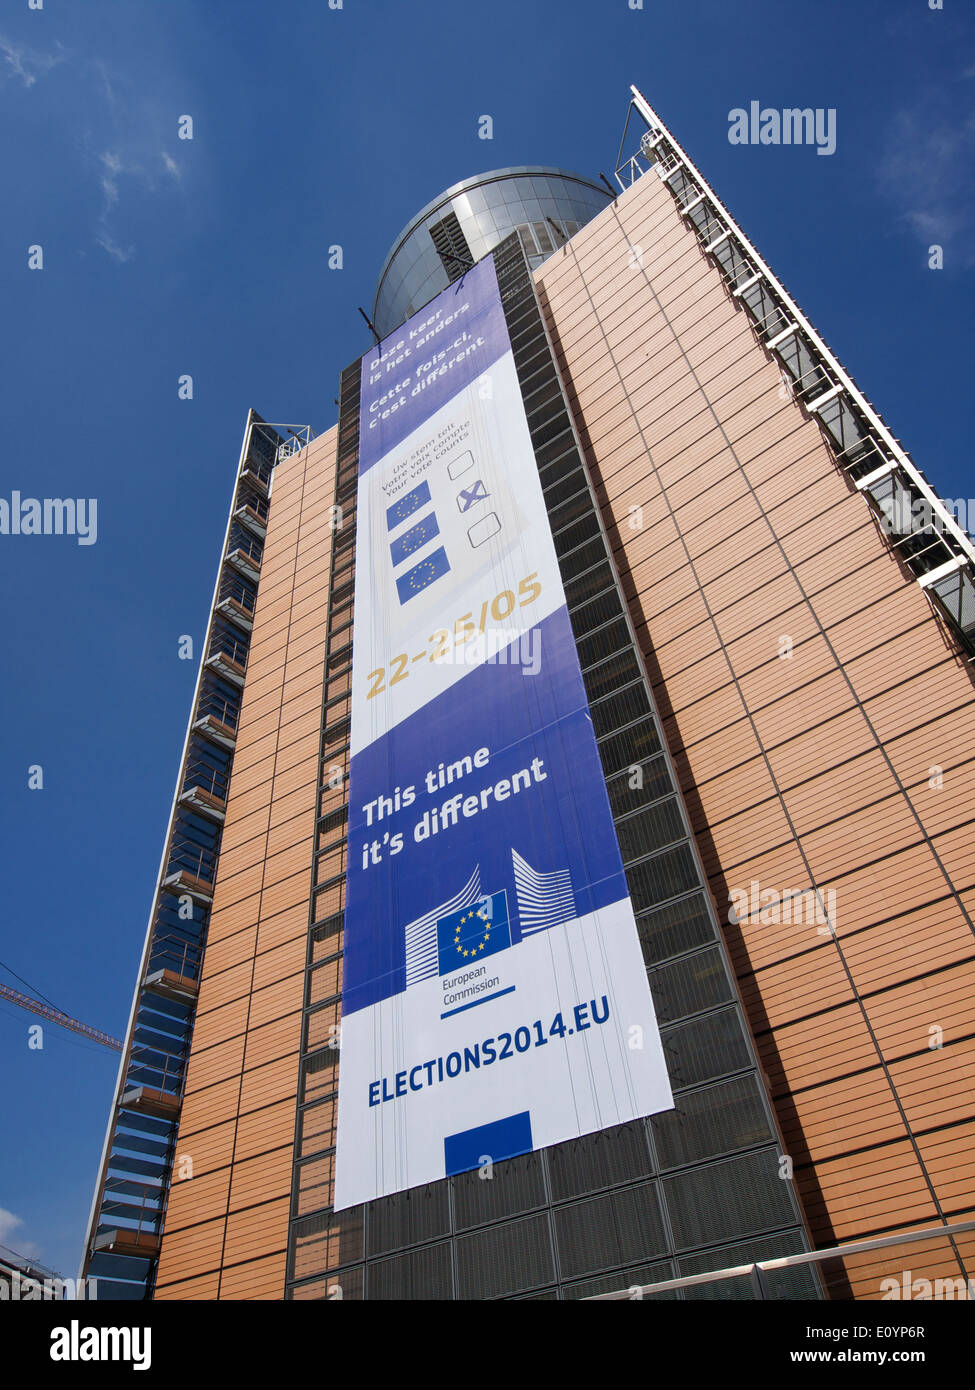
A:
x: 774, y: 615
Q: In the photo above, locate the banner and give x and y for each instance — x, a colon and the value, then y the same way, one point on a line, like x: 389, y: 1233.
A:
x: 495, y: 998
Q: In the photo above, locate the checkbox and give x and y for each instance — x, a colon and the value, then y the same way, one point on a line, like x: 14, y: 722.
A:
x: 484, y: 529
x: 457, y: 467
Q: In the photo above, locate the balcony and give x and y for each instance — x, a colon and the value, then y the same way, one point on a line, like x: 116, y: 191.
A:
x: 952, y: 585
x: 229, y: 662
x: 258, y: 475
x: 234, y: 610
x: 123, y: 1241
x: 173, y: 985
x: 236, y: 601
x: 173, y: 968
x: 217, y: 720
x: 146, y: 1101
x: 223, y: 734
x: 252, y: 513
x: 192, y: 864
x: 197, y: 798
x: 207, y: 776
x: 246, y: 561
x: 183, y: 881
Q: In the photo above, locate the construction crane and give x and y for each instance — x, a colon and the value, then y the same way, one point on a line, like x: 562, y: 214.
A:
x: 35, y: 1006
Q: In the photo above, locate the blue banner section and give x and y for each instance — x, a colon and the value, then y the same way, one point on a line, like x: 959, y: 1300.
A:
x: 406, y: 506
x: 435, y: 354
x: 432, y: 567
x: 410, y: 541
x: 497, y: 1141
x: 492, y: 974
x: 493, y: 787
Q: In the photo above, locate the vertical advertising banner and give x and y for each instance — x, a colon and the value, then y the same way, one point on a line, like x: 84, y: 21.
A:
x: 495, y: 998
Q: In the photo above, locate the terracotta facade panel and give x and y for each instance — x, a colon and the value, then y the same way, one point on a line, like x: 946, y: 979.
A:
x: 193, y: 1251
x: 255, y: 1280
x: 200, y: 1198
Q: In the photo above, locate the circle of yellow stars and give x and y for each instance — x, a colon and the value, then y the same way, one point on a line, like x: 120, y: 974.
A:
x: 473, y: 950
x: 422, y: 575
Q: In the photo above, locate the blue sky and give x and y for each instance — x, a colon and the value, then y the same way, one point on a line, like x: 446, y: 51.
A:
x: 164, y: 256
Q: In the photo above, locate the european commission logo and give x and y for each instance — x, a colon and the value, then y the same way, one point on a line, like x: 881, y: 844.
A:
x: 474, y: 932
x: 471, y: 924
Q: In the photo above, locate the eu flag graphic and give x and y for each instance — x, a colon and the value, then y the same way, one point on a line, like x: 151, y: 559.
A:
x: 411, y: 540
x: 417, y: 579
x: 472, y: 933
x: 406, y: 506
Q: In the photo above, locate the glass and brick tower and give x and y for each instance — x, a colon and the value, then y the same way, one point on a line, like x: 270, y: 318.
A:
x: 774, y: 615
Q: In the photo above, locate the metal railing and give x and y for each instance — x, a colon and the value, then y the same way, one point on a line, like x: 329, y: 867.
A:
x: 234, y: 586
x: 226, y: 711
x: 225, y: 643
x: 164, y: 1075
x: 177, y: 955
x: 132, y: 1213
x: 757, y: 1280
x: 247, y: 498
x: 243, y: 543
x: 189, y: 857
x: 206, y: 778
x: 254, y: 469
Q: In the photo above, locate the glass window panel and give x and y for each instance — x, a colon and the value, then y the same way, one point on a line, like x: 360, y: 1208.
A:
x: 506, y: 1259
x: 599, y: 1160
x: 625, y: 707
x: 690, y: 985
x: 650, y: 830
x: 616, y: 1229
x: 421, y: 1274
x: 639, y: 784
x: 665, y: 876
x: 408, y: 1218
x: 315, y: 1184
x: 318, y: 1126
x: 728, y: 1199
x: 627, y: 1279
x: 515, y: 1186
x: 716, y: 1120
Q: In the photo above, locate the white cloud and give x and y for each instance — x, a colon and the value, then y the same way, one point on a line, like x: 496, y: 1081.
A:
x: 10, y: 1226
x: 117, y: 252
x: 109, y: 180
x: 924, y: 172
x: 25, y: 63
x: 120, y: 135
x: 127, y: 157
x: 113, y: 168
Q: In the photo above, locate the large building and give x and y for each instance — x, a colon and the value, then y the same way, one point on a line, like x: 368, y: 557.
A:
x: 773, y: 614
